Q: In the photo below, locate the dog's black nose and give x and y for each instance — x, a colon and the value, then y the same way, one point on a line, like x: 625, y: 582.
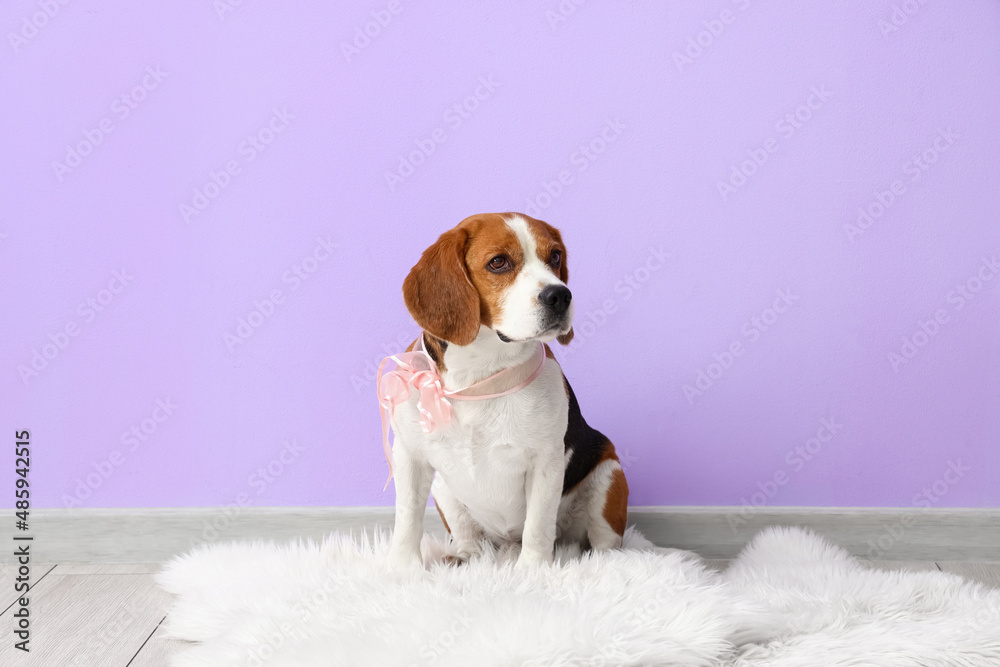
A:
x: 556, y: 297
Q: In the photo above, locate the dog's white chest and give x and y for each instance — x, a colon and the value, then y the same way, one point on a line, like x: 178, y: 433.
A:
x: 485, y: 467
x: 486, y: 454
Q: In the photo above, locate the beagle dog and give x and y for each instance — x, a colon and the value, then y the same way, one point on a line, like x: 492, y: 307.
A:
x: 523, y: 466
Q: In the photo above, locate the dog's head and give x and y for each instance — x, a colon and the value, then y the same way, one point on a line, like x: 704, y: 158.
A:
x: 505, y: 271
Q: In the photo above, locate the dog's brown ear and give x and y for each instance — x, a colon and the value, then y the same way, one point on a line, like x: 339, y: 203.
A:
x: 439, y: 294
x: 563, y: 274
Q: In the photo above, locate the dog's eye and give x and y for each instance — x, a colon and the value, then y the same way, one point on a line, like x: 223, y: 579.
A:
x: 499, y: 264
x: 555, y: 259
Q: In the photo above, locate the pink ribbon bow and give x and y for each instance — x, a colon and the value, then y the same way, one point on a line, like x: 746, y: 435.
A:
x: 417, y: 370
x: 414, y: 370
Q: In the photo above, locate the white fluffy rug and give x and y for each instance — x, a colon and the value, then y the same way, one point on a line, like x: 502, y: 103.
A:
x: 790, y: 599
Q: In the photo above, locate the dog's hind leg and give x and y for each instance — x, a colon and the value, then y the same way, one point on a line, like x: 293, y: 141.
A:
x: 607, y: 506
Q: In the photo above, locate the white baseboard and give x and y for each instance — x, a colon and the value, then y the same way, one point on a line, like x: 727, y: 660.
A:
x: 153, y: 535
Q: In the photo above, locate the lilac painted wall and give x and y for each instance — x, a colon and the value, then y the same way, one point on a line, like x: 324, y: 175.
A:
x: 740, y: 331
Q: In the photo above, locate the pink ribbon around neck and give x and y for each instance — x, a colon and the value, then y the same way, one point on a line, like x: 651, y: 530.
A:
x: 417, y: 370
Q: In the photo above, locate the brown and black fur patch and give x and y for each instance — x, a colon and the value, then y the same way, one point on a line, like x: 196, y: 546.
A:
x: 435, y: 349
x: 589, y: 445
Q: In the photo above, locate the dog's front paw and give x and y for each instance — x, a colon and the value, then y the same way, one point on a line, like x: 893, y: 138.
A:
x: 531, y: 559
x: 405, y: 562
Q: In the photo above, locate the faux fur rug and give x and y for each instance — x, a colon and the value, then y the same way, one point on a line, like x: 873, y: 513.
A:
x: 789, y: 600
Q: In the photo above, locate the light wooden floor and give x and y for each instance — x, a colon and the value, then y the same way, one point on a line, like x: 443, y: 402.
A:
x: 110, y: 615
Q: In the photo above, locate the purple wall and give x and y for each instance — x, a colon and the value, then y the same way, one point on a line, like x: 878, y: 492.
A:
x: 782, y: 228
